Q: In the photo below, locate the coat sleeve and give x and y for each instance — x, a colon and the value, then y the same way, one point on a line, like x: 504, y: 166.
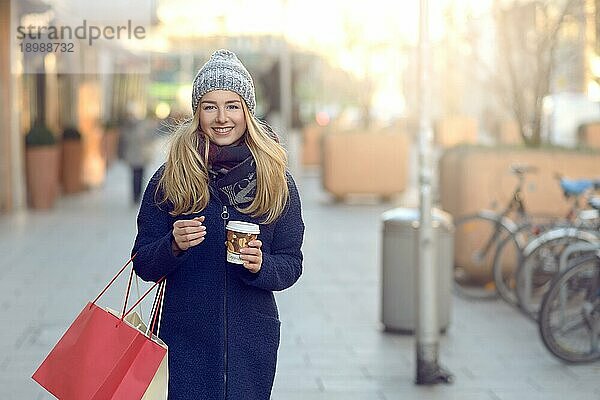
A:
x: 154, y: 255
x: 282, y: 267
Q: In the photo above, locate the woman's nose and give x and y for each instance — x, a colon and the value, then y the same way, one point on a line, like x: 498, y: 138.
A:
x: 221, y: 115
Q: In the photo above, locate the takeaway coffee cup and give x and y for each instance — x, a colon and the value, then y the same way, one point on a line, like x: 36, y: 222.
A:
x: 239, y: 233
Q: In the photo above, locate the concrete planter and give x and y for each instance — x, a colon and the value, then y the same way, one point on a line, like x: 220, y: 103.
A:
x: 42, y: 176
x: 477, y: 178
x: 456, y: 130
x: 71, y: 166
x: 364, y: 163
x: 94, y: 159
x: 311, y: 146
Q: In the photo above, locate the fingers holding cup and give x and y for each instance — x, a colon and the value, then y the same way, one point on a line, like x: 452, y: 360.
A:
x: 252, y: 256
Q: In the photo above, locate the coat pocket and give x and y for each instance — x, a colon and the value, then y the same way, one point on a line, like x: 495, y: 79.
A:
x: 253, y: 356
x: 261, y: 339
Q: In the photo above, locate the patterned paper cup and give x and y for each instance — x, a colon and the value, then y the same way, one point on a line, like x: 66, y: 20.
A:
x: 239, y: 233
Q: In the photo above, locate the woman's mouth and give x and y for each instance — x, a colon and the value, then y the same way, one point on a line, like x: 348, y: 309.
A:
x: 223, y: 131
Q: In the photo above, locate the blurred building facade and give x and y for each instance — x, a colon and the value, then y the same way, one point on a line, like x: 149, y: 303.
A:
x: 465, y: 63
x: 95, y: 99
x: 91, y: 95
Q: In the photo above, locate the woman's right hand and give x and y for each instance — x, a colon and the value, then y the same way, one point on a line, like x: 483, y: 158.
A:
x: 189, y: 232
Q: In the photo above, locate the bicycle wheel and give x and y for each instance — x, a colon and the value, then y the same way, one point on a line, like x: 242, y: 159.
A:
x: 509, y: 256
x: 476, y: 240
x: 569, y: 322
x: 536, y: 272
x: 507, y: 259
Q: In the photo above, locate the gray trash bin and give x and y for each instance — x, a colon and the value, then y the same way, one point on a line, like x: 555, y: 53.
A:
x: 399, y: 264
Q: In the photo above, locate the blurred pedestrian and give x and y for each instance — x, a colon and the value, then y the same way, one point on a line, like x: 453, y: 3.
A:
x: 220, y: 319
x: 138, y: 138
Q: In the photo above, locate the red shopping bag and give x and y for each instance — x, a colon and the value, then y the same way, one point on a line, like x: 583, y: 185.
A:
x: 101, y: 357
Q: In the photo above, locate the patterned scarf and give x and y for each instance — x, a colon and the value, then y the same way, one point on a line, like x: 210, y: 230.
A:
x: 232, y: 171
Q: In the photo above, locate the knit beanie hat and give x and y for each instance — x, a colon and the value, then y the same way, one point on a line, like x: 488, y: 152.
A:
x: 224, y: 71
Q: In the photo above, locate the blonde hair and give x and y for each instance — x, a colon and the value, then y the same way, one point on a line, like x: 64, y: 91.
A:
x: 184, y: 182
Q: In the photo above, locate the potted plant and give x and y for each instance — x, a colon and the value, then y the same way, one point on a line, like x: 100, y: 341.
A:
x: 71, y: 161
x: 41, y: 156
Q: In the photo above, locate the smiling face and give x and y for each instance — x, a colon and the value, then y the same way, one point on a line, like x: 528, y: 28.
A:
x: 222, y: 116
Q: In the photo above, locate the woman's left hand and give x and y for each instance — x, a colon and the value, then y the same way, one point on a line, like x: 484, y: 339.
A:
x: 252, y: 256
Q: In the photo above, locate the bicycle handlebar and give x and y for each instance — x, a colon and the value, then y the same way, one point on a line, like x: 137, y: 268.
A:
x: 522, y: 169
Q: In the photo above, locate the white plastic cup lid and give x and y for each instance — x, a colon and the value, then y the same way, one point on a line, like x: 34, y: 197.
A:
x: 243, y: 227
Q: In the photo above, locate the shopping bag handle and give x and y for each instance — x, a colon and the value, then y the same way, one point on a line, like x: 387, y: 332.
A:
x: 157, y: 309
x: 124, y: 314
x: 114, y: 278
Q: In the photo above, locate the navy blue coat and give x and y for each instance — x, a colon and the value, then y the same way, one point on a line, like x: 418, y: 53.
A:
x: 219, y: 320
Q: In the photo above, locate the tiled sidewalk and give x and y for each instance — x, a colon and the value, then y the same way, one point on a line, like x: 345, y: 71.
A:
x: 332, y: 346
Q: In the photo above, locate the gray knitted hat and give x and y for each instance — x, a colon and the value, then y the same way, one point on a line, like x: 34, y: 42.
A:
x: 224, y: 71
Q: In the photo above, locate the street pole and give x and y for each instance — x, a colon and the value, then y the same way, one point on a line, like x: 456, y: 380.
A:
x: 285, y: 94
x: 428, y: 369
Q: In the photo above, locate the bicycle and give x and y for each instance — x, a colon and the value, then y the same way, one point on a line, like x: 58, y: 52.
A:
x: 536, y: 236
x: 541, y: 259
x: 569, y: 322
x: 477, y: 239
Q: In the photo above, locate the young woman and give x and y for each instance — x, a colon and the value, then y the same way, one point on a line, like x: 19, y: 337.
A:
x: 220, y: 319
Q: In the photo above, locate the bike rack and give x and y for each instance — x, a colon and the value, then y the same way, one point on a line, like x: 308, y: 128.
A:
x: 568, y: 232
x: 562, y: 266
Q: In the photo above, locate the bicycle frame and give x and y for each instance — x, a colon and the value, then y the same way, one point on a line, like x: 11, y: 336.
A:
x: 500, y: 220
x: 516, y: 202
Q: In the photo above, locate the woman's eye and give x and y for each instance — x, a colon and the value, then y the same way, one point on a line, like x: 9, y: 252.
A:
x: 233, y: 107
x: 209, y: 108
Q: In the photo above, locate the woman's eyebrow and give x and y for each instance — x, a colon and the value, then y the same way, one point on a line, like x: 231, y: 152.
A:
x: 215, y: 102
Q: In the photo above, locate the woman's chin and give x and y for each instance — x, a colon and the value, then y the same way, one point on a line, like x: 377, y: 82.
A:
x: 223, y: 141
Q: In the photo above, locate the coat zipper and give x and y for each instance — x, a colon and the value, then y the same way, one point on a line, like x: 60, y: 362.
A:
x: 225, y: 217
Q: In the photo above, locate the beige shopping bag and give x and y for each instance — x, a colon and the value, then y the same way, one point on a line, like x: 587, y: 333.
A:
x: 158, y: 388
